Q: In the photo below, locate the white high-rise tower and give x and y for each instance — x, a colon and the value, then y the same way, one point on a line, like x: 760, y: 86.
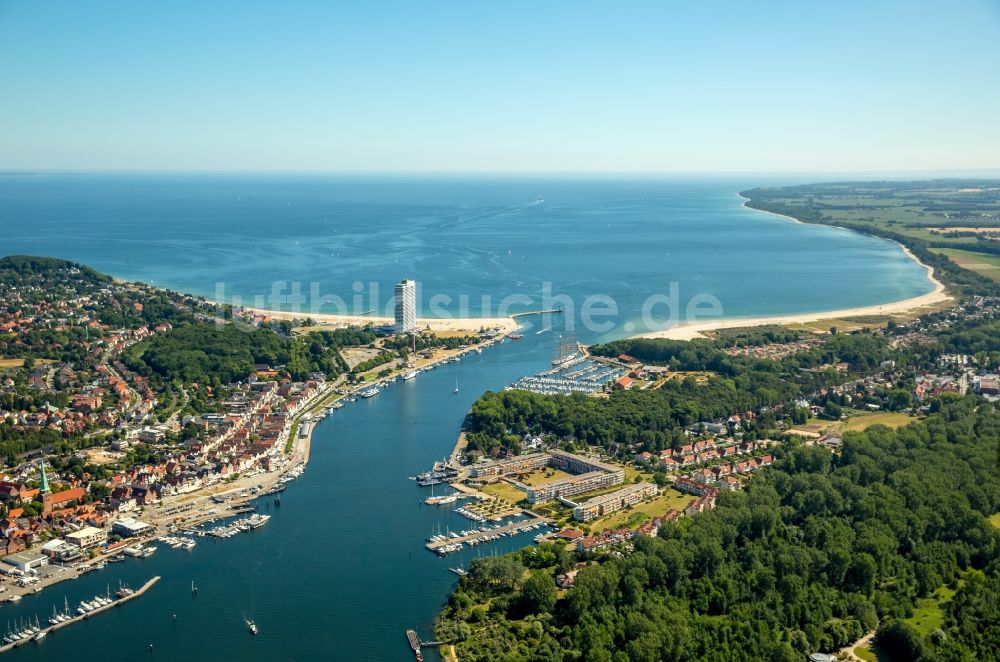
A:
x: 406, y: 306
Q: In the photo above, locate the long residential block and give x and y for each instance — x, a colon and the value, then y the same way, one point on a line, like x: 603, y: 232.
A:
x: 609, y: 503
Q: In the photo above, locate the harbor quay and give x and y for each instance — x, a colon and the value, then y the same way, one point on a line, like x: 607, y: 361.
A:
x: 85, y: 611
x: 260, y: 436
x: 90, y: 548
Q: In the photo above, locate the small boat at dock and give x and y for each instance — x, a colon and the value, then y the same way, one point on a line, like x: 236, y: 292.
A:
x: 414, y: 640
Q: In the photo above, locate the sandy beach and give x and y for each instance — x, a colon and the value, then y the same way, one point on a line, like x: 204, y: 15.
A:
x: 442, y: 325
x: 698, y: 329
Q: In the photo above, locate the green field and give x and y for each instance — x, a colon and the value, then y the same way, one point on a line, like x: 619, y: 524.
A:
x: 943, y: 216
x: 995, y: 520
x: 887, y: 418
x: 929, y: 613
x: 987, y: 265
x: 911, y: 208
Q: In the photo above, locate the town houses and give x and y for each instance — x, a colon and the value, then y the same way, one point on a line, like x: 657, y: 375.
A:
x: 249, y: 436
x: 717, y: 457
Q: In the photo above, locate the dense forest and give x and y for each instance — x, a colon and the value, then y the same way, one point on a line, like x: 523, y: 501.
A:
x: 652, y: 417
x: 17, y: 270
x: 818, y: 550
x: 217, y: 354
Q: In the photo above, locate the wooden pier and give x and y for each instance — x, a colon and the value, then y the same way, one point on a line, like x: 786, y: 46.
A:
x: 536, y: 312
x: 483, y: 535
x: 118, y: 602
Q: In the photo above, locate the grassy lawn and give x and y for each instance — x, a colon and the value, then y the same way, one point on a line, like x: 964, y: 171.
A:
x: 995, y: 520
x: 929, y: 614
x: 981, y: 263
x: 668, y: 499
x: 842, y: 324
x: 631, y: 472
x: 700, y: 376
x: 866, y: 654
x: 865, y: 321
x: 889, y: 419
x: 547, y: 475
x: 504, y: 491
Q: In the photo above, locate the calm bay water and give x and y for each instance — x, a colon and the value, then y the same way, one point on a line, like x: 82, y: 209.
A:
x: 340, y: 571
x: 462, y: 239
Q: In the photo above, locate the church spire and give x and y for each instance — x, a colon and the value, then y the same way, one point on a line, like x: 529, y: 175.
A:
x: 44, y: 487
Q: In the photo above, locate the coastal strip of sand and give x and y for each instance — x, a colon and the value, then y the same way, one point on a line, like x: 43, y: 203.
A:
x: 440, y: 325
x: 698, y: 329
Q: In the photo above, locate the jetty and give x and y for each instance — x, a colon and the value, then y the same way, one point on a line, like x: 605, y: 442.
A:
x: 117, y: 602
x: 480, y: 535
x: 414, y: 641
x: 526, y: 313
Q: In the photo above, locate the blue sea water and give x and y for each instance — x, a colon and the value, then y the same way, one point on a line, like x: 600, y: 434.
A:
x: 340, y: 571
x: 475, y: 245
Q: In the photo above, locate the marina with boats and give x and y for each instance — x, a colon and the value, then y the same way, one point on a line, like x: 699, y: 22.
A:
x: 433, y: 503
x: 573, y: 374
x: 444, y: 544
x: 24, y: 633
x: 235, y: 527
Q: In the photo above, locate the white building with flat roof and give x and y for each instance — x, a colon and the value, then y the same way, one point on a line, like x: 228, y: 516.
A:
x: 27, y: 560
x: 406, y: 306
x: 60, y: 551
x: 86, y: 537
x: 129, y: 526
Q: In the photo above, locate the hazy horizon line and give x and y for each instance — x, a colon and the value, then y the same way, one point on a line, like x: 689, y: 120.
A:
x: 944, y: 172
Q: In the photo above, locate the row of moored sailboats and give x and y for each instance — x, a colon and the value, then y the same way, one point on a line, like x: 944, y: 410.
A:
x: 26, y: 630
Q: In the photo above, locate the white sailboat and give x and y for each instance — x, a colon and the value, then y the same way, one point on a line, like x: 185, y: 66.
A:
x: 251, y: 625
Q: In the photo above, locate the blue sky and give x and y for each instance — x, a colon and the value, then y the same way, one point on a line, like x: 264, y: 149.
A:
x: 514, y: 86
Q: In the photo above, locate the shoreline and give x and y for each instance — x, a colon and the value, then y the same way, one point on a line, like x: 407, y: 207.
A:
x: 698, y: 329
x: 506, y: 325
